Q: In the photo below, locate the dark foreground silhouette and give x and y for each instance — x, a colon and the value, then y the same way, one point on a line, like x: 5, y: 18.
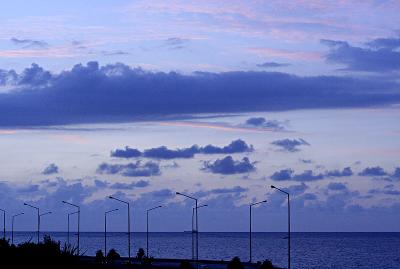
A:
x: 50, y: 254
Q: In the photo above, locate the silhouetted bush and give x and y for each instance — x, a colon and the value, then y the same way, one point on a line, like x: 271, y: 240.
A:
x: 100, y: 256
x: 185, y: 265
x: 267, y: 264
x: 235, y: 263
x: 140, y: 254
x: 113, y: 255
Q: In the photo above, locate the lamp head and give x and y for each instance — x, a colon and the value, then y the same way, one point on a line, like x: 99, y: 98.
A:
x: 110, y: 197
x: 25, y: 204
x: 264, y: 201
x: 178, y: 193
x: 273, y: 187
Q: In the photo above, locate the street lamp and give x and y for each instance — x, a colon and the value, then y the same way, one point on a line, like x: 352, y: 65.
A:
x: 193, y: 229
x: 147, y: 228
x: 288, y: 202
x: 79, y: 218
x: 38, y: 219
x: 40, y: 216
x: 12, y: 226
x: 250, y: 207
x: 69, y: 214
x: 129, y: 225
x: 4, y: 223
x: 197, y: 225
x: 105, y: 229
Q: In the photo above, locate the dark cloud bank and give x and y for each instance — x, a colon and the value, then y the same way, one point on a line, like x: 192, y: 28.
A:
x: 236, y: 146
x: 379, y: 55
x: 90, y: 93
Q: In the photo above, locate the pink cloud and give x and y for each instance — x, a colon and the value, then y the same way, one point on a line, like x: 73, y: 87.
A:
x: 286, y: 54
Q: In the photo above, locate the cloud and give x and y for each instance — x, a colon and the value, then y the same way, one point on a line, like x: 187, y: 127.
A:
x: 373, y: 171
x: 290, y: 145
x: 379, y: 55
x: 29, y: 43
x: 346, y: 172
x: 114, y: 93
x: 272, y: 65
x: 114, y: 52
x: 288, y: 174
x: 229, y: 166
x: 234, y: 190
x: 50, y: 169
x: 396, y: 173
x: 236, y: 146
x: 130, y: 186
x: 285, y: 174
x: 261, y: 122
x: 336, y: 186
x: 131, y: 169
x: 100, y: 184
x: 392, y: 192
x: 126, y: 153
x: 176, y: 43
x: 165, y: 153
x: 307, y: 175
x: 29, y: 188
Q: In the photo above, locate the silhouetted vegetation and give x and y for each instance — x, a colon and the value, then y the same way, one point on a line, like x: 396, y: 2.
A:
x: 267, y: 264
x: 100, y: 256
x: 235, y: 263
x: 50, y: 254
x: 185, y: 265
x: 113, y: 255
x: 140, y: 254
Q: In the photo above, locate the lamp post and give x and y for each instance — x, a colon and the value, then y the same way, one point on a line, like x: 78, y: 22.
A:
x: 69, y: 214
x: 197, y: 225
x: 38, y: 219
x: 250, y: 207
x: 129, y: 225
x: 79, y: 219
x: 4, y: 223
x: 288, y: 201
x: 43, y: 214
x: 105, y: 229
x: 193, y: 229
x: 147, y: 228
x: 12, y: 226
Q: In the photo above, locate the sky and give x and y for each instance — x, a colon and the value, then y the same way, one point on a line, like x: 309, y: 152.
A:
x: 216, y: 99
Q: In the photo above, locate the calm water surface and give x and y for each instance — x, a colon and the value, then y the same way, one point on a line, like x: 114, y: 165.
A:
x: 309, y: 250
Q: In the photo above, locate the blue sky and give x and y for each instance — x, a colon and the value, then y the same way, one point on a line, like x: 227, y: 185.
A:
x: 219, y: 99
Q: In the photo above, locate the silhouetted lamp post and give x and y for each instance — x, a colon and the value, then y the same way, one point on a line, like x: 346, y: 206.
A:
x: 12, y: 226
x: 129, y: 225
x: 105, y: 229
x: 79, y: 220
x: 197, y: 224
x: 288, y: 201
x: 69, y: 214
x: 4, y: 223
x: 193, y: 229
x: 40, y: 216
x: 147, y: 228
x: 250, y: 207
x: 38, y: 219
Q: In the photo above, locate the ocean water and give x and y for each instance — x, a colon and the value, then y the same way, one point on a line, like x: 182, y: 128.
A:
x: 309, y: 250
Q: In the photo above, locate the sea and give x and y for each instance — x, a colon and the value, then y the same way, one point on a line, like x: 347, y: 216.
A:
x: 308, y: 250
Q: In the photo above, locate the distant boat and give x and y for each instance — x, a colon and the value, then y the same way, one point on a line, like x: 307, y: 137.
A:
x: 187, y: 231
